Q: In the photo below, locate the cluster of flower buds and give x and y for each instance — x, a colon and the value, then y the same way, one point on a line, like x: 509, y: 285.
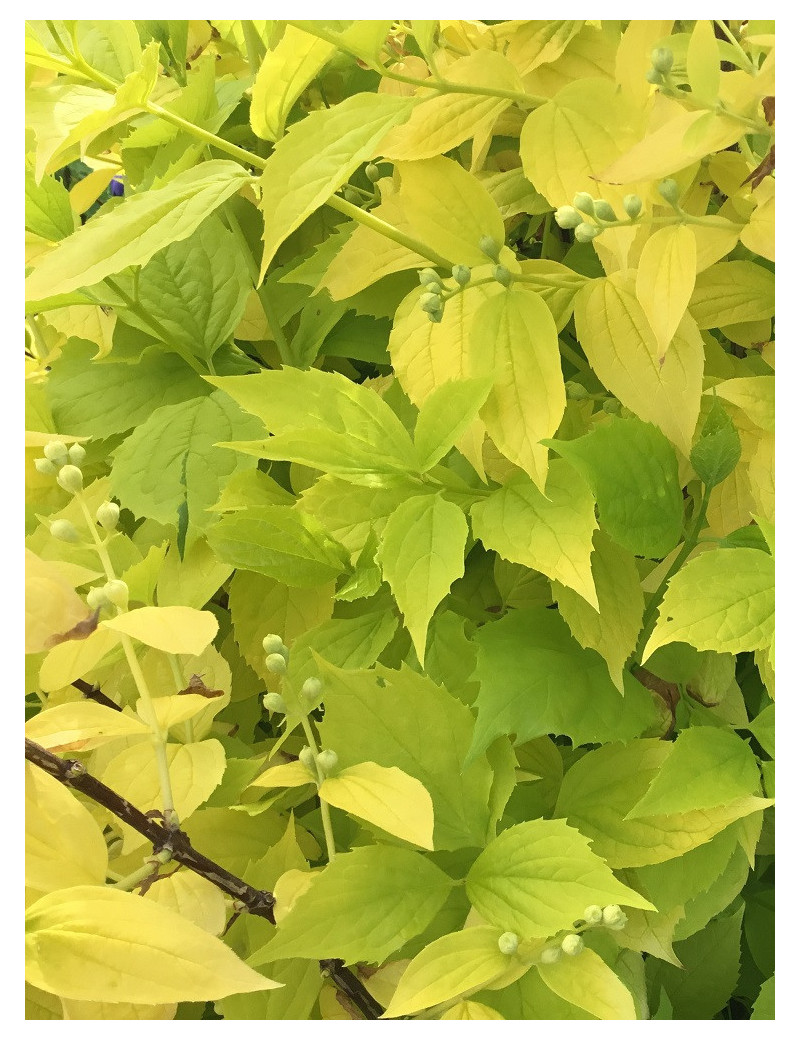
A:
x: 610, y: 916
x: 64, y: 464
x: 599, y: 210
x: 432, y: 299
x: 326, y: 761
x: 277, y: 653
x: 112, y: 594
x: 436, y: 293
x: 661, y: 61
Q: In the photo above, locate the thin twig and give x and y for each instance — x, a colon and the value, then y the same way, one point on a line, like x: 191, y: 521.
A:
x: 94, y: 693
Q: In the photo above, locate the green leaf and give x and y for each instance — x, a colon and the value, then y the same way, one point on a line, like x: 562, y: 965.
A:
x: 706, y: 767
x: 452, y: 965
x: 365, y: 905
x: 173, y: 458
x: 279, y: 542
x: 718, y: 449
x: 633, y: 472
x: 135, y: 231
x: 317, y: 156
x: 140, y: 951
x: 535, y: 679
x: 732, y: 292
x: 376, y: 716
x: 445, y: 415
x: 588, y: 982
x: 549, y: 532
x: 194, y: 289
x: 763, y: 729
x: 764, y: 1004
x: 99, y: 400
x: 536, y: 879
x: 47, y: 209
x: 421, y: 554
x: 722, y: 600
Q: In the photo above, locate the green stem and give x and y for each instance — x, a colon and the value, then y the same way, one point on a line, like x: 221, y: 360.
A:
x: 573, y: 356
x: 174, y: 664
x: 649, y: 618
x: 324, y: 809
x: 254, y: 46
x: 749, y: 65
x: 376, y: 224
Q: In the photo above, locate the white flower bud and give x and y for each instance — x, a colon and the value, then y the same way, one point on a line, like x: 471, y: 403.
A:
x: 306, y: 756
x: 430, y: 302
x: 584, y: 202
x: 273, y: 644
x: 45, y: 467
x: 586, y: 232
x: 567, y: 217
x: 612, y: 913
x: 311, y: 688
x: 462, y: 274
x: 327, y: 761
x: 427, y: 276
x: 108, y: 515
x: 604, y: 210
x: 64, y: 531
x: 274, y: 702
x: 550, y: 955
x: 502, y: 275
x: 117, y: 593
x: 489, y: 247
x: 57, y: 452
x: 632, y: 205
x: 70, y: 479
x: 572, y: 945
x: 593, y: 914
x: 276, y: 663
x: 96, y: 598
x: 669, y: 191
x: 508, y: 943
x: 77, y: 453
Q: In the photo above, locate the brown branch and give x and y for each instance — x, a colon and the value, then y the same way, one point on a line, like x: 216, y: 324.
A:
x: 94, y: 693
x: 73, y: 774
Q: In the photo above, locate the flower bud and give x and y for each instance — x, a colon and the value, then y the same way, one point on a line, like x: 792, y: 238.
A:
x: 327, y: 760
x: 274, y: 702
x: 45, y: 466
x: 612, y: 914
x: 488, y: 246
x: 116, y: 592
x: 611, y: 406
x: 584, y: 202
x: 64, y: 531
x: 57, y: 452
x: 372, y: 172
x: 276, y: 663
x: 70, y: 479
x: 654, y: 76
x: 576, y: 391
x: 108, y: 515
x: 567, y: 217
x: 351, y: 196
x: 306, y: 756
x: 593, y: 914
x: 617, y: 926
x: 550, y: 954
x: 273, y: 644
x: 96, y: 598
x: 632, y: 205
x: 77, y: 453
x: 586, y: 232
x: 434, y: 287
x: 430, y: 302
x: 462, y: 274
x: 435, y: 316
x: 662, y: 59
x: 604, y: 210
x: 572, y: 945
x: 508, y: 943
x: 669, y: 192
x: 311, y: 688
x: 502, y: 275
x: 427, y: 276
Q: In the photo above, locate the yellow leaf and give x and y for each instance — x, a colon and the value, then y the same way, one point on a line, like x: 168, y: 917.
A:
x: 63, y: 844
x: 755, y: 395
x: 194, y: 897
x: 442, y: 121
x: 389, y: 798
x: 87, y: 1010
x: 702, y: 62
x: 51, y: 604
x: 288, y: 889
x: 587, y: 982
x: 759, y: 234
x: 761, y: 477
x: 633, y: 56
x: 622, y: 350
x: 283, y: 75
x: 172, y: 710
x: 471, y: 1011
x: 81, y: 726
x: 139, y: 952
x: 73, y: 658
x: 175, y: 630
x: 514, y: 338
x: 90, y: 188
x: 90, y: 323
x: 665, y: 280
x: 288, y: 774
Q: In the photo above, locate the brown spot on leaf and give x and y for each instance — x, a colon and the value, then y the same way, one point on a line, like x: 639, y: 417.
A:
x: 81, y: 631
x: 196, y: 685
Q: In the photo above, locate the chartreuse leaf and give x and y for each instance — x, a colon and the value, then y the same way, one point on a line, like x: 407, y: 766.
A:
x: 131, y: 234
x: 374, y: 715
x: 755, y: 395
x: 446, y: 415
x: 731, y: 292
x: 175, y: 630
x: 75, y: 657
x: 514, y: 338
x: 764, y: 1004
x: 283, y: 75
x: 633, y: 473
x: 421, y: 554
x: 64, y: 846
x: 81, y: 726
x: 706, y: 767
x: 389, y: 798
x: 599, y: 791
x: 47, y: 209
x: 461, y: 962
x: 470, y: 1011
x: 529, y: 998
x: 588, y: 982
x: 622, y: 350
x: 763, y: 729
x: 536, y: 878
x: 139, y: 951
x: 51, y: 604
x: 193, y: 579
x: 442, y: 121
x: 365, y: 905
x: 665, y: 280
x: 612, y: 631
x: 702, y: 61
x: 173, y: 459
x: 193, y: 897
x: 317, y: 156
x: 535, y: 679
x: 195, y: 290
x: 453, y: 216
x: 100, y: 1010
x: 722, y: 600
x: 549, y: 532
x: 279, y: 542
x: 718, y: 449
